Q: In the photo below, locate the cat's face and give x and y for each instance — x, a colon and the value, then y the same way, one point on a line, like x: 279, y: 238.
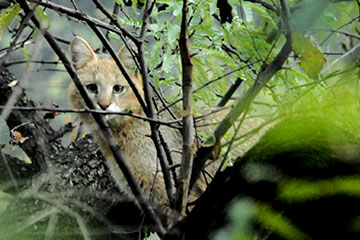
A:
x: 103, y: 80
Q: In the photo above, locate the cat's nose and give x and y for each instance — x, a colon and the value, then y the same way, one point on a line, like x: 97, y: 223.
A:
x: 104, y: 106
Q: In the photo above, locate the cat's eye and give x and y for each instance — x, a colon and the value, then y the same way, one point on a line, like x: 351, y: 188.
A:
x: 92, y: 88
x: 118, y: 89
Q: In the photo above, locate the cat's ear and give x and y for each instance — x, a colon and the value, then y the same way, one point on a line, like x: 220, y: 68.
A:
x: 81, y: 52
x: 125, y: 56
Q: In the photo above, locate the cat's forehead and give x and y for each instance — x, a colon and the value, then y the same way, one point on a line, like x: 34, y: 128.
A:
x: 105, y: 71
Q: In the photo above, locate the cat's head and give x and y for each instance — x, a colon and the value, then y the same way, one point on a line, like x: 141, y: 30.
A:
x: 102, y: 78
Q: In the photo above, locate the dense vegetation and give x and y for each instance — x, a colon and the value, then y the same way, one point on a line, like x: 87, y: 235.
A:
x: 291, y: 63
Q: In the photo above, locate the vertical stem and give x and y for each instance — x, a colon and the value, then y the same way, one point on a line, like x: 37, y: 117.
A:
x: 150, y: 111
x: 188, y: 138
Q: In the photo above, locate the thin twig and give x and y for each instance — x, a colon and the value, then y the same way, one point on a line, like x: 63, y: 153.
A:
x: 237, y: 128
x: 9, y: 63
x: 169, y: 158
x: 74, y: 4
x: 84, y: 17
x: 147, y: 12
x: 265, y: 4
x: 337, y: 29
x: 115, y: 13
x: 116, y: 23
x: 230, y: 92
x: 68, y: 110
x: 204, y: 85
x: 17, y: 46
x: 351, y: 51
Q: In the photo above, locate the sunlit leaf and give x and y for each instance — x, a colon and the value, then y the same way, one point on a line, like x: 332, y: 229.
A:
x: 173, y: 33
x: 312, y: 59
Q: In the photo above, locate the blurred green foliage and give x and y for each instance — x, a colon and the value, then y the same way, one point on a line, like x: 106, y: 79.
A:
x: 309, y: 161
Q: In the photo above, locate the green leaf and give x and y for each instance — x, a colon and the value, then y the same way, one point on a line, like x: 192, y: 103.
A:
x: 312, y: 59
x: 7, y: 16
x: 173, y: 33
x: 178, y: 9
x: 157, y: 81
x: 155, y: 55
x: 169, y: 62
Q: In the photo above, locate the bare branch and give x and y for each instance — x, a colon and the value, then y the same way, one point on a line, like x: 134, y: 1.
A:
x: 230, y: 92
x: 9, y: 63
x: 337, y: 29
x: 188, y: 139
x: 68, y: 110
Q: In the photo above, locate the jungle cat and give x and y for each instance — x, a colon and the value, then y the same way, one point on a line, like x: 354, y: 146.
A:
x: 109, y: 90
x: 107, y: 87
